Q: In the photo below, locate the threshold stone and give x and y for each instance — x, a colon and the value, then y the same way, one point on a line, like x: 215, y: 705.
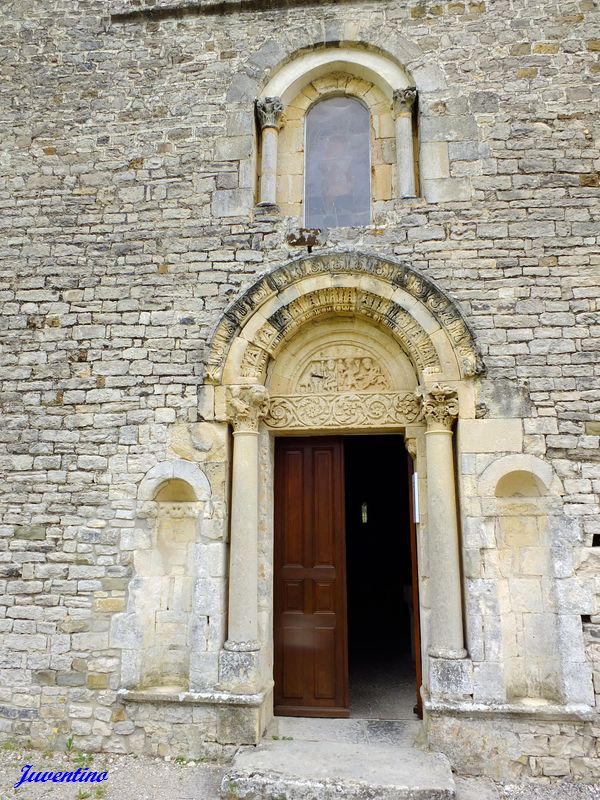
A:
x: 303, y: 770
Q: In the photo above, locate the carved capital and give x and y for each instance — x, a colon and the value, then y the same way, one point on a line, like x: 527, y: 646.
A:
x: 411, y: 447
x: 246, y: 406
x: 269, y: 111
x: 440, y: 407
x: 404, y: 100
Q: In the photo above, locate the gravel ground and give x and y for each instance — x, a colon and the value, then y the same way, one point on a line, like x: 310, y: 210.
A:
x: 558, y: 790
x: 481, y: 789
x: 138, y: 778
x: 145, y: 778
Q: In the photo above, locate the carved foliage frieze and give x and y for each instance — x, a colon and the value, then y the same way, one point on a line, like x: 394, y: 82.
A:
x: 344, y: 410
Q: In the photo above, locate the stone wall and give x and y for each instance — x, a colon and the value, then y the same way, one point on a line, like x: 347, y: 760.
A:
x: 127, y: 185
x: 507, y: 746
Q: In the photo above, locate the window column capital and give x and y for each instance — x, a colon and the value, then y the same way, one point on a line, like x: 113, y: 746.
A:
x: 269, y: 111
x: 403, y: 101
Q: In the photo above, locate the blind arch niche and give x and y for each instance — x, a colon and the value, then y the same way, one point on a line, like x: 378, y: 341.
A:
x: 337, y: 171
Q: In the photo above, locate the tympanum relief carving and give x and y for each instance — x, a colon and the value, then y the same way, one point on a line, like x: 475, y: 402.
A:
x: 349, y: 371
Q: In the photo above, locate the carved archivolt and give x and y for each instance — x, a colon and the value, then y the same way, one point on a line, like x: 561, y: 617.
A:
x: 339, y: 299
x: 385, y: 312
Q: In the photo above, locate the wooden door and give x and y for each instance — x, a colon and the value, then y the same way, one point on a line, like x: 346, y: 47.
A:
x: 311, y: 660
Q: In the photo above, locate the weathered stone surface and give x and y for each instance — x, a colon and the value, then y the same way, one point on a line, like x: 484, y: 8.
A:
x: 326, y: 770
x: 31, y: 532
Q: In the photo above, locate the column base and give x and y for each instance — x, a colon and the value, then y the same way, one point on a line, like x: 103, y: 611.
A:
x: 239, y: 669
x: 267, y: 209
x: 442, y: 652
x: 450, y: 678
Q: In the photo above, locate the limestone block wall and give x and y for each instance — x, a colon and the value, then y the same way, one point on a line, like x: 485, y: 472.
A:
x: 127, y: 186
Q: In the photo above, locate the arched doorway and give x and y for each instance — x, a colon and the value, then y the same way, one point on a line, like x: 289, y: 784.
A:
x: 342, y: 613
x: 341, y: 344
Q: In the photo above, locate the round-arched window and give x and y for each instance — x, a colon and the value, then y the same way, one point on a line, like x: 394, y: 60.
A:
x: 337, y: 169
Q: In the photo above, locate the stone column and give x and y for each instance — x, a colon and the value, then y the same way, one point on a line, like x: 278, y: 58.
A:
x: 246, y: 405
x: 403, y: 102
x: 269, y: 111
x: 440, y: 408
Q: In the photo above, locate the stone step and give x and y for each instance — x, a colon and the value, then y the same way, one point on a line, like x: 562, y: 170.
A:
x: 356, y: 731
x: 325, y: 770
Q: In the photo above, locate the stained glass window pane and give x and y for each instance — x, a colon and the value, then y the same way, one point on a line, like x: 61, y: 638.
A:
x: 338, y: 164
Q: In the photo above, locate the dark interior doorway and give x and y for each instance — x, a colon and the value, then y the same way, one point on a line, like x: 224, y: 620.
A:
x: 346, y: 639
x: 382, y: 641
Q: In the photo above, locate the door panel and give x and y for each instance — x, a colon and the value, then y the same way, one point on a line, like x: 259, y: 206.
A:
x: 325, y: 663
x: 311, y: 663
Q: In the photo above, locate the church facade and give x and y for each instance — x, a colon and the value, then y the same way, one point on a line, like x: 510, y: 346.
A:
x: 300, y: 373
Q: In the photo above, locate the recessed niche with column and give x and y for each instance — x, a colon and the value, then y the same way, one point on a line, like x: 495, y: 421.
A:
x: 165, y: 587
x: 174, y: 609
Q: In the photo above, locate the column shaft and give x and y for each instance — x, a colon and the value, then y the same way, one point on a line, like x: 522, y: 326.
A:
x: 243, y: 575
x: 269, y: 111
x: 246, y: 405
x: 402, y: 108
x: 268, y: 172
x: 446, y: 634
x: 405, y: 156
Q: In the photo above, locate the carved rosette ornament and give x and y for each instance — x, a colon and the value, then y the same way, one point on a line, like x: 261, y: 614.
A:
x: 246, y: 406
x: 403, y: 100
x: 440, y: 407
x: 269, y: 111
